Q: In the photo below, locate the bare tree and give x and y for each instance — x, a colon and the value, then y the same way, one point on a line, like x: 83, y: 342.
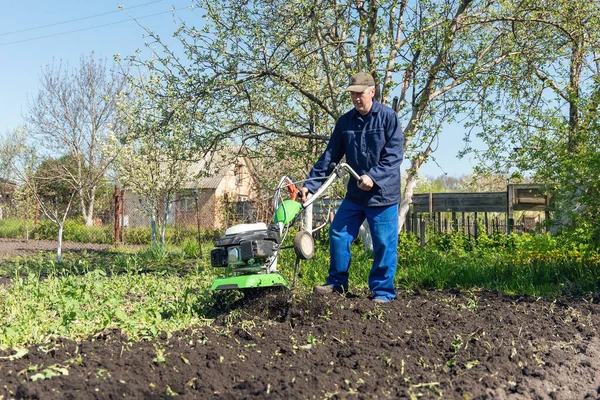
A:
x: 21, y: 162
x: 72, y: 116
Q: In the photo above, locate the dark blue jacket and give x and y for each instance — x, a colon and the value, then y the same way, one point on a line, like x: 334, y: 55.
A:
x: 373, y: 145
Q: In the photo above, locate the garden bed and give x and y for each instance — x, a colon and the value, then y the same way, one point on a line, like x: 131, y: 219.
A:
x: 429, y: 344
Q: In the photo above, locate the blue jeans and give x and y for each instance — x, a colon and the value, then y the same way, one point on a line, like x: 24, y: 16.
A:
x: 383, y: 222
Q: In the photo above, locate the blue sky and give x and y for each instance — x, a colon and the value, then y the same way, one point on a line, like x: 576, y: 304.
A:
x: 34, y: 33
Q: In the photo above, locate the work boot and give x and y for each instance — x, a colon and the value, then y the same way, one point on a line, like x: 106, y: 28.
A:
x: 328, y: 289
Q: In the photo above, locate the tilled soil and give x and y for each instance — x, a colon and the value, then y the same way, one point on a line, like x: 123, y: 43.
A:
x: 438, y: 344
x: 22, y: 247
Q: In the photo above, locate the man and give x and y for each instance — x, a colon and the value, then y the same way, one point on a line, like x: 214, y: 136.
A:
x: 371, y: 139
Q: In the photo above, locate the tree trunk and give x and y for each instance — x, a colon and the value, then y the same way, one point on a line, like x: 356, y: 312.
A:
x: 82, y: 206
x: 163, y: 230
x: 26, y: 223
x: 88, y: 215
x: 411, y: 183
x: 153, y: 227
x: 59, y: 249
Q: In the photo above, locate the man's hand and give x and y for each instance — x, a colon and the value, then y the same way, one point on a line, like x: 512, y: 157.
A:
x: 365, y: 183
x: 303, y: 195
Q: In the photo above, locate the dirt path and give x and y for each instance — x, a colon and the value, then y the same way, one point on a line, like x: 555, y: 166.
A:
x: 449, y: 345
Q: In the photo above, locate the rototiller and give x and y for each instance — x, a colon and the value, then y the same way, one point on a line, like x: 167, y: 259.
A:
x: 248, y: 252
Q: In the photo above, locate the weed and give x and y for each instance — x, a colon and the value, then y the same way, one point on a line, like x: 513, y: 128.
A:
x: 50, y: 372
x: 160, y: 355
x: 376, y: 313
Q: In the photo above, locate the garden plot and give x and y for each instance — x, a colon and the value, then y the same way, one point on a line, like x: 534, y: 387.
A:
x: 428, y: 344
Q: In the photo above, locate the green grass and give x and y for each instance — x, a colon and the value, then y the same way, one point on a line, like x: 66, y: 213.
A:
x: 142, y: 305
x: 157, y: 290
x: 531, y: 265
x: 142, y: 294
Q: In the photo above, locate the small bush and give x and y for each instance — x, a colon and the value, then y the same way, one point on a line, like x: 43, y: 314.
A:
x: 137, y: 236
x: 46, y: 230
x: 191, y: 248
x: 153, y: 252
x: 76, y: 231
x: 12, y: 228
x: 175, y: 234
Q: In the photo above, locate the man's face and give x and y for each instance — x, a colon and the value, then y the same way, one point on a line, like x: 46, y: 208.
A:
x: 363, y: 100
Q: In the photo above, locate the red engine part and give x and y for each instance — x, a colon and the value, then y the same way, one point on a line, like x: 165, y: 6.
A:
x: 293, y: 189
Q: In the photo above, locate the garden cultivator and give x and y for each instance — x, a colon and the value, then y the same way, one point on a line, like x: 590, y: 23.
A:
x: 248, y: 252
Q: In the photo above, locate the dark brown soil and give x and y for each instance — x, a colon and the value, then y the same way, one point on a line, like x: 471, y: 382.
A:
x: 450, y: 344
x: 22, y: 247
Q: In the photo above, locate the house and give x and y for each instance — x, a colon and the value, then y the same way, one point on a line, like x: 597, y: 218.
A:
x: 7, y: 189
x: 220, y: 191
x: 224, y: 195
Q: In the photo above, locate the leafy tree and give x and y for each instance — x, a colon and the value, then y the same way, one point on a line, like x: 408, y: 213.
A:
x: 50, y: 177
x: 71, y: 117
x: 155, y: 155
x: 441, y: 184
x: 23, y: 201
x: 262, y: 70
x: 538, y: 112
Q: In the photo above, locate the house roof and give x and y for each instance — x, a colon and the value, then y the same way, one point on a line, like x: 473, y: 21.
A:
x: 210, y: 181
x: 208, y: 172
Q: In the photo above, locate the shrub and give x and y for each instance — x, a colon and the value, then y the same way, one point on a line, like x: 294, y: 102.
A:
x: 175, y: 234
x: 153, y: 253
x: 12, y: 228
x: 137, y: 235
x: 191, y: 248
x: 75, y: 230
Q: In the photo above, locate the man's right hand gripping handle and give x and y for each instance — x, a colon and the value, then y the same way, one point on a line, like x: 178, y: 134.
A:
x: 303, y: 195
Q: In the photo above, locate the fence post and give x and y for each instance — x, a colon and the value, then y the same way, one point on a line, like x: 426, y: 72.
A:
x: 454, y: 222
x: 510, y: 212
x: 415, y: 224
x: 123, y: 216
x: 37, y: 215
x: 422, y: 230
x: 487, y: 224
x: 468, y: 225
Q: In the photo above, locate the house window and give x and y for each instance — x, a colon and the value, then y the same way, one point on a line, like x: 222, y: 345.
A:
x: 239, y: 174
x: 187, y: 204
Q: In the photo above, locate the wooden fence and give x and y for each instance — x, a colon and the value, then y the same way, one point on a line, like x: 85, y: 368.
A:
x: 521, y: 208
